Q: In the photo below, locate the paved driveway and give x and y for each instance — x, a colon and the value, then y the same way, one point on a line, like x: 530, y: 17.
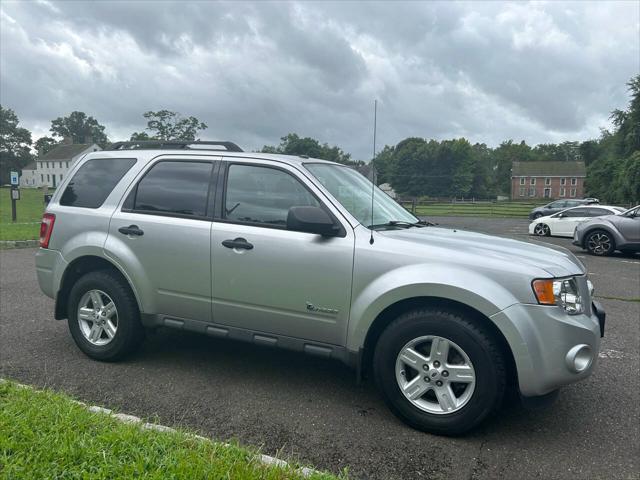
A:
x: 313, y: 410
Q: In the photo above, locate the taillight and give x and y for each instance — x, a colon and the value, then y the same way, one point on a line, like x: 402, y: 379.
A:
x: 46, y: 228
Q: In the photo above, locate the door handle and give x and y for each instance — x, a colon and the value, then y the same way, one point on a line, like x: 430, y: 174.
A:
x: 131, y: 230
x: 238, y: 243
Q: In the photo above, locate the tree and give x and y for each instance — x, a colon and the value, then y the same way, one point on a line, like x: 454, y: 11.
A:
x: 140, y: 136
x: 384, y: 164
x: 483, y: 179
x: 79, y: 128
x: 15, y: 144
x: 44, y: 145
x: 168, y: 125
x: 292, y: 144
x: 614, y: 174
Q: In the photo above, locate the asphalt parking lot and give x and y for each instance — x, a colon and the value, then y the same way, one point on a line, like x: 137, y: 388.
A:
x: 313, y: 410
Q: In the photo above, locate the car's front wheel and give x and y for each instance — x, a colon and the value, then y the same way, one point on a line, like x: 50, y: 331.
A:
x: 104, y: 319
x: 439, y: 371
x: 542, y: 230
x: 600, y: 243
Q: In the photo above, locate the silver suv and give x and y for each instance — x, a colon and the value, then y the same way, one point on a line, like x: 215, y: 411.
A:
x: 294, y: 252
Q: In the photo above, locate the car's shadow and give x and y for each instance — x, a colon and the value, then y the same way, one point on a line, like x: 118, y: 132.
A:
x: 279, y: 375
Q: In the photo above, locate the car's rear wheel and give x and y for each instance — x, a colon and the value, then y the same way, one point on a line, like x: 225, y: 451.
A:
x: 600, y: 243
x: 542, y: 230
x: 439, y: 371
x: 104, y: 319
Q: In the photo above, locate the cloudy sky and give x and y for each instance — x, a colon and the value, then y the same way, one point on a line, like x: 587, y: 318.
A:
x: 541, y: 71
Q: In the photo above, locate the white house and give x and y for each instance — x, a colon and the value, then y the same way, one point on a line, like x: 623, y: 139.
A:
x: 50, y: 168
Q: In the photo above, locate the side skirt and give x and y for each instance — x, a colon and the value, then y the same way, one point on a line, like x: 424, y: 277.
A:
x: 351, y: 359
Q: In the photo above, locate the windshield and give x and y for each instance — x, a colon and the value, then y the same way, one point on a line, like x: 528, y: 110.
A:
x: 353, y: 191
x: 632, y: 212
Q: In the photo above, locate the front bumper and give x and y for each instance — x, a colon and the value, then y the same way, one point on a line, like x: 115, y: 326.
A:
x: 550, y: 348
x: 576, y: 238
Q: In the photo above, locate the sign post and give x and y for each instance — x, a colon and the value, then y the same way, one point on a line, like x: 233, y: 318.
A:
x: 15, y: 194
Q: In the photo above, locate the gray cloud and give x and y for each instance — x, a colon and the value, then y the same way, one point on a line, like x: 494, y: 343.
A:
x: 543, y: 72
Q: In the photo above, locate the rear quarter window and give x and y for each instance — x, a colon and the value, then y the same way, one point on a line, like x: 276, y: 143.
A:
x: 94, y: 181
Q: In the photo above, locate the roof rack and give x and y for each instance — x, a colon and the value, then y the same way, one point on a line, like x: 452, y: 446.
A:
x: 173, y: 144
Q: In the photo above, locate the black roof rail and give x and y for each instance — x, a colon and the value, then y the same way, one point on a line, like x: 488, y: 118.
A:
x: 173, y: 144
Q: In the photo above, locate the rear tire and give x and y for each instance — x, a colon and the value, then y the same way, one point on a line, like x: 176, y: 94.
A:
x: 600, y: 243
x: 104, y: 319
x: 460, y: 409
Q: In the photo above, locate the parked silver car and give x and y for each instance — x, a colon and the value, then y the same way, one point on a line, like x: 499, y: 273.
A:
x: 604, y: 235
x: 293, y: 252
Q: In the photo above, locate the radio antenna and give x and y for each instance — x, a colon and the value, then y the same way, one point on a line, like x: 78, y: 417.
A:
x: 373, y: 170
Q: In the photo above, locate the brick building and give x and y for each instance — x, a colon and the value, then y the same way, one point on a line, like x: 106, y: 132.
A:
x: 547, y: 180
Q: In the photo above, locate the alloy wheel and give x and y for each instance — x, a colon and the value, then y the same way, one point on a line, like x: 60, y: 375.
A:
x: 541, y: 229
x: 435, y: 374
x: 599, y: 243
x: 97, y: 317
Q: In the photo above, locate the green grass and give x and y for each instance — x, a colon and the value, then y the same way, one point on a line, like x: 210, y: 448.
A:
x: 29, y: 213
x: 46, y: 435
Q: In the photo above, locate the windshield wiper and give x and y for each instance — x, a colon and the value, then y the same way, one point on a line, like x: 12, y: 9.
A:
x: 402, y: 223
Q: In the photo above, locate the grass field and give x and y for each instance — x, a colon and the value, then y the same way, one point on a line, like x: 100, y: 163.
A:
x: 479, y: 209
x: 46, y: 435
x: 29, y: 213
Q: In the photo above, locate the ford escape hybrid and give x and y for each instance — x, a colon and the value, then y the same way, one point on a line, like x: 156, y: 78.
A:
x: 288, y: 252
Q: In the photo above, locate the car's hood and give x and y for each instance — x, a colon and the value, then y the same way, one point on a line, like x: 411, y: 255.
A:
x: 556, y: 261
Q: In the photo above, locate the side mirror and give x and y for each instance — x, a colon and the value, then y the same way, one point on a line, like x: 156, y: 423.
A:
x: 560, y: 215
x: 311, y: 220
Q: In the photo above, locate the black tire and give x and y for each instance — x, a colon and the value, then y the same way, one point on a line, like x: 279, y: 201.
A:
x: 482, y: 350
x: 600, y: 243
x: 129, y: 333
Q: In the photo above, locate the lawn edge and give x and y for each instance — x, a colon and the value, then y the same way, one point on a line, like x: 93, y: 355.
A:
x: 267, y: 460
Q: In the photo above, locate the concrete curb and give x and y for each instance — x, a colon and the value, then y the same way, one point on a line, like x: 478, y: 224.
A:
x: 9, y: 244
x: 132, y: 419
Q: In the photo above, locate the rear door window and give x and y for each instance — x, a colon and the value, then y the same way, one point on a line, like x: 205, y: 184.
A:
x: 174, y: 188
x: 576, y: 212
x: 596, y: 212
x: 94, y: 181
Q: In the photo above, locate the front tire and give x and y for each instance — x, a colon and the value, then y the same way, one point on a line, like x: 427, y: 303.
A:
x: 542, y: 230
x: 600, y: 243
x: 439, y: 371
x: 104, y: 319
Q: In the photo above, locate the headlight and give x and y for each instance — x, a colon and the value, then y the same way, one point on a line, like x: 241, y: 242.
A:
x: 563, y: 292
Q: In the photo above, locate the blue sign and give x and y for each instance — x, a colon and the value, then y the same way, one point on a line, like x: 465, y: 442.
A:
x: 15, y: 178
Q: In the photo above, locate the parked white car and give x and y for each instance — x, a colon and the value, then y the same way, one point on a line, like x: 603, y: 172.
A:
x: 564, y: 223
